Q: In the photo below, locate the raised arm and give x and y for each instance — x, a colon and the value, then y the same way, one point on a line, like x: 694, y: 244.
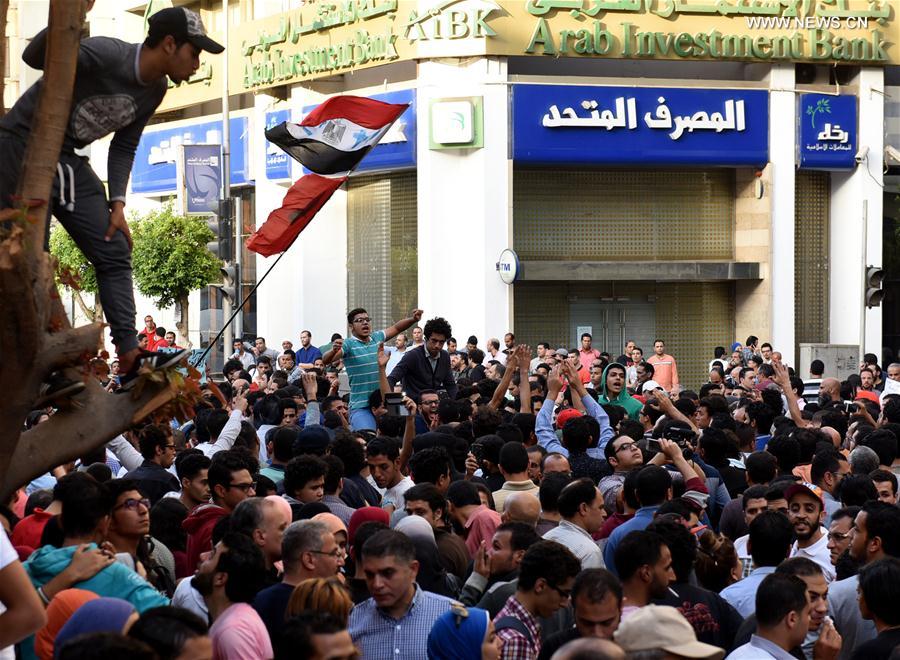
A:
x: 512, y: 364
x: 383, y: 359
x: 129, y: 457
x: 664, y: 403
x: 335, y: 353
x: 783, y: 378
x: 524, y: 383
x: 595, y: 410
x: 543, y: 426
x: 403, y: 325
x: 409, y: 432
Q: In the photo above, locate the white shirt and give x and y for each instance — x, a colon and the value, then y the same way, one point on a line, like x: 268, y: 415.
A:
x: 394, y: 494
x: 190, y: 599
x: 396, y: 355
x: 579, y: 542
x: 8, y: 555
x: 500, y: 357
x: 819, y: 553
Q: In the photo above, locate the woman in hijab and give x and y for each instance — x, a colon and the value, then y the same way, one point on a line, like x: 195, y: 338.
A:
x: 432, y: 575
x: 364, y: 515
x: 463, y: 633
x: 112, y: 615
x: 59, y: 611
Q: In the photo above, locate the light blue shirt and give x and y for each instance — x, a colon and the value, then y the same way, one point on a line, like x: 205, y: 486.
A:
x: 642, y: 519
x: 361, y: 362
x: 378, y: 635
x: 547, y: 438
x: 759, y: 648
x: 742, y: 594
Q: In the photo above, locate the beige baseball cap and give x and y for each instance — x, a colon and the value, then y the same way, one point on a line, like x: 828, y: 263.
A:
x: 670, y: 632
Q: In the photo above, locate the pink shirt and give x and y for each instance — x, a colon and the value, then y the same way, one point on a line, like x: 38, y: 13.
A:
x: 587, y: 357
x: 481, y: 525
x: 665, y: 372
x: 239, y: 634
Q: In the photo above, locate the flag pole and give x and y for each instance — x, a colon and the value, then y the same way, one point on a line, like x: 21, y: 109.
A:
x: 238, y: 309
x: 253, y: 289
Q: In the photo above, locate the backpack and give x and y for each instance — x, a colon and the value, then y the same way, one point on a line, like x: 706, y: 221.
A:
x: 512, y: 623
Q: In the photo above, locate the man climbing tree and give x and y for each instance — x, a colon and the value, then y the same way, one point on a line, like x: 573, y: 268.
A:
x: 118, y: 87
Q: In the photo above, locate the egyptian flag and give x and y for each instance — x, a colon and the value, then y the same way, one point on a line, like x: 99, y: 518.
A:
x: 330, y: 141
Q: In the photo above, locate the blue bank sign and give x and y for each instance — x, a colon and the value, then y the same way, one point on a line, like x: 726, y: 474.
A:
x: 827, y: 132
x: 155, y: 161
x: 630, y: 125
x: 278, y: 163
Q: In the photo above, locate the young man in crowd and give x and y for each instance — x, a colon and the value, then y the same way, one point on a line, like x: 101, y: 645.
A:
x: 396, y: 620
x: 546, y: 578
x: 229, y: 579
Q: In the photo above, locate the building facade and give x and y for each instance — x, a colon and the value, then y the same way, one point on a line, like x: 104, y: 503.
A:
x: 677, y: 170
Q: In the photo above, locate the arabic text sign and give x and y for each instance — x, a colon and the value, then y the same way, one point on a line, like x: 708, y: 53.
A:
x: 278, y: 163
x: 826, y: 135
x: 154, y: 169
x: 628, y: 125
x: 202, y: 177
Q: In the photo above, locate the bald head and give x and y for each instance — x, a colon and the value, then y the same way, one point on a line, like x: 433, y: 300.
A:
x: 522, y: 507
x: 832, y: 388
x: 833, y: 435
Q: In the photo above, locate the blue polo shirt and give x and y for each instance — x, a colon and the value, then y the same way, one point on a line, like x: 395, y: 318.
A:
x: 361, y: 362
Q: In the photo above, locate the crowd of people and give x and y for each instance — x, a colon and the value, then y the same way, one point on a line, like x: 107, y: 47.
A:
x: 384, y: 497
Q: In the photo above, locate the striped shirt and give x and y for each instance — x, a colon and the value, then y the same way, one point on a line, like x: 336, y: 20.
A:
x: 379, y: 636
x: 361, y: 361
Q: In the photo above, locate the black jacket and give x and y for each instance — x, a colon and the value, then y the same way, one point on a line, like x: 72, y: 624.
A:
x: 415, y: 373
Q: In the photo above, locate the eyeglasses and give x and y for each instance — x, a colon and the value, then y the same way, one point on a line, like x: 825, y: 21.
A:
x: 627, y: 446
x: 838, y: 536
x: 563, y: 593
x: 362, y: 319
x: 131, y: 504
x: 244, y: 487
x: 337, y: 553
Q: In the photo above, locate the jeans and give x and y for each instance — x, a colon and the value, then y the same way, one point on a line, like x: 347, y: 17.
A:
x: 362, y: 419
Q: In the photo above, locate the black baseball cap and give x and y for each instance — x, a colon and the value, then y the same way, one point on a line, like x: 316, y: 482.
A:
x: 183, y: 24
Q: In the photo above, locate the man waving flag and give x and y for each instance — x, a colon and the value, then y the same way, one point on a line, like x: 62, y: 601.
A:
x: 330, y: 142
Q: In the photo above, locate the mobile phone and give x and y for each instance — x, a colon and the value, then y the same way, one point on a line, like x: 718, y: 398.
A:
x: 393, y: 402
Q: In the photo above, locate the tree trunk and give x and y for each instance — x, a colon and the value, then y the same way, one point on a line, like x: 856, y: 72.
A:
x: 4, y: 10
x: 182, y: 324
x: 36, y: 337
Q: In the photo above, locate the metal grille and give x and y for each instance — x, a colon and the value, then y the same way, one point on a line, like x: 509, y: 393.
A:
x: 382, y: 253
x: 693, y: 319
x: 647, y: 215
x: 811, y: 276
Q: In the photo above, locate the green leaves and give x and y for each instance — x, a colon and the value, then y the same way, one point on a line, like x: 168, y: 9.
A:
x: 74, y: 271
x: 822, y: 106
x: 170, y: 257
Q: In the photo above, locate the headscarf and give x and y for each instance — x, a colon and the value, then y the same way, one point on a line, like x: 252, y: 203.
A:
x: 416, y: 527
x: 99, y: 615
x: 60, y: 610
x: 364, y: 515
x: 432, y: 575
x: 458, y: 634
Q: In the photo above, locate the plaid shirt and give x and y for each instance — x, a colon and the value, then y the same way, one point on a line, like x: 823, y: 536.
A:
x: 515, y: 645
x: 380, y: 637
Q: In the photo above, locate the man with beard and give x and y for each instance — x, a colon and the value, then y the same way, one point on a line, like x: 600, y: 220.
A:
x: 229, y: 579
x: 806, y: 512
x: 644, y: 563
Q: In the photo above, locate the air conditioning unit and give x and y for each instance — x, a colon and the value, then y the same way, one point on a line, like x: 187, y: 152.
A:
x: 840, y: 360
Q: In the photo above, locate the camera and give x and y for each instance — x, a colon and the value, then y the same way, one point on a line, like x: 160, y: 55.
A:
x: 393, y: 403
x: 477, y: 450
x: 850, y: 407
x: 684, y: 437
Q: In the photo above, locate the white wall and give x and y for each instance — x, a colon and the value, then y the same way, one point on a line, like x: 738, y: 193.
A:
x: 782, y: 156
x: 465, y: 205
x: 856, y: 210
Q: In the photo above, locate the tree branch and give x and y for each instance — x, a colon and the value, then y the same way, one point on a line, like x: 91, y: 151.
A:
x: 102, y: 417
x: 68, y: 348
